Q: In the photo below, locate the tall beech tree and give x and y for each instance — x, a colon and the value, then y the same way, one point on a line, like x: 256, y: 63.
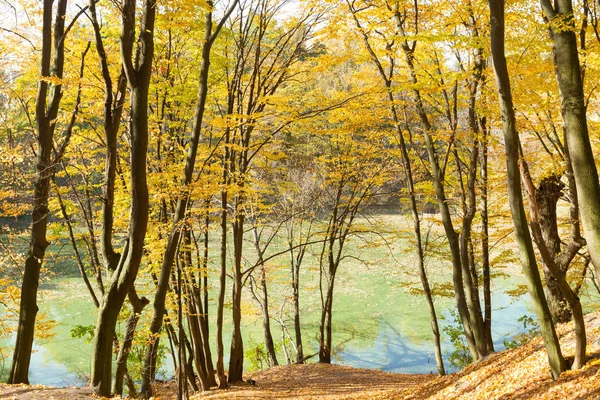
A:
x: 569, y: 76
x: 138, y: 72
x: 459, y: 241
x: 263, y: 54
x: 523, y: 237
x: 387, y: 75
x: 48, y: 156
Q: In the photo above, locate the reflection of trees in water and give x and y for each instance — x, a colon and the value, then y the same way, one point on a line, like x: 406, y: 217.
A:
x: 390, y: 350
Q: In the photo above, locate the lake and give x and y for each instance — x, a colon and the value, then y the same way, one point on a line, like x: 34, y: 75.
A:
x: 377, y: 324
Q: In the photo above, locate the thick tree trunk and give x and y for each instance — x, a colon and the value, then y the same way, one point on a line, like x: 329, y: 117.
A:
x: 553, y: 261
x: 138, y: 76
x: 570, y: 83
x: 523, y: 237
x: 45, y: 125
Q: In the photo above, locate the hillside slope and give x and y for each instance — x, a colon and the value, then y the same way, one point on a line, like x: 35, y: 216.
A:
x: 522, y: 373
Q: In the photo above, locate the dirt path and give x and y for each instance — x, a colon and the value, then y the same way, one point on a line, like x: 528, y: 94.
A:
x: 320, y: 381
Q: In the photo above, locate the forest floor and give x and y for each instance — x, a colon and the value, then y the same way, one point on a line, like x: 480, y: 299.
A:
x: 520, y: 373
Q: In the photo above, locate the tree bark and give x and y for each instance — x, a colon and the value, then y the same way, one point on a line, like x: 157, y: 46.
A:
x: 236, y: 354
x: 523, y: 237
x: 485, y: 239
x: 138, y: 77
x: 570, y: 84
x: 406, y: 162
x: 137, y: 305
x: 45, y: 116
x: 473, y: 326
x: 547, y: 195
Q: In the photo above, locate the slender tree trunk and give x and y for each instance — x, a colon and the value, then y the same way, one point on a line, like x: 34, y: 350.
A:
x: 182, y: 203
x: 387, y: 78
x: 264, y: 302
x: 523, y: 237
x: 80, y: 265
x: 236, y: 354
x: 269, y: 342
x: 473, y: 329
x: 296, y: 299
x: 485, y: 239
x: 221, y: 379
x: 113, y: 109
x: 137, y: 305
x: 417, y: 229
x: 325, y: 325
x: 180, y: 210
x: 182, y: 388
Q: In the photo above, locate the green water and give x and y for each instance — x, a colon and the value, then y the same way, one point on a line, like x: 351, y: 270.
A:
x: 375, y: 326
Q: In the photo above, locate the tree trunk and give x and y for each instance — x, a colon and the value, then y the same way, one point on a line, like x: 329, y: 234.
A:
x: 523, y: 237
x: 485, y: 239
x: 473, y: 329
x: 570, y: 83
x: 45, y: 125
x: 221, y: 379
x: 138, y: 76
x: 296, y: 299
x: 137, y: 305
x: 263, y: 300
x: 236, y: 354
x: 269, y: 342
x: 325, y: 325
x: 387, y: 78
x: 547, y: 195
x: 182, y: 204
x: 552, y: 262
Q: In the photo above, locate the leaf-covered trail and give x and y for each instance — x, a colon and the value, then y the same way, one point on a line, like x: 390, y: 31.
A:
x: 321, y: 381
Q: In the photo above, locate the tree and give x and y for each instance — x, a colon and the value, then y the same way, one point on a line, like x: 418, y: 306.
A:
x: 138, y: 74
x: 523, y: 237
x: 570, y: 82
x: 388, y: 76
x: 181, y: 208
x: 46, y: 113
x: 263, y: 54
